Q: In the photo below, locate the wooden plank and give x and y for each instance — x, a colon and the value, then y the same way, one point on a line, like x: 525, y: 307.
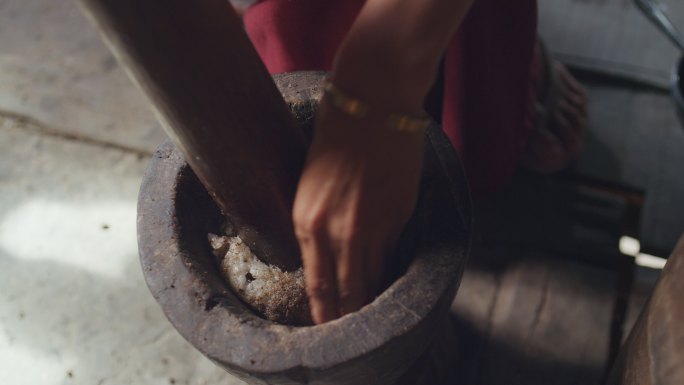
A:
x: 539, y: 320
x: 472, y: 308
x: 654, y: 351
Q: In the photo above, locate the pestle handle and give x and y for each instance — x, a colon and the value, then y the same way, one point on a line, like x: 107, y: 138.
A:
x: 217, y: 102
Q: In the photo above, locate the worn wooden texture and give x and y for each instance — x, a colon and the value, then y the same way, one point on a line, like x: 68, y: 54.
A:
x: 541, y: 302
x: 645, y: 280
x: 217, y: 102
x: 376, y: 345
x: 654, y: 352
x: 532, y: 318
x: 472, y: 309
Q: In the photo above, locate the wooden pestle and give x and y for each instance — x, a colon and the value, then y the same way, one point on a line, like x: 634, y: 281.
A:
x: 217, y: 102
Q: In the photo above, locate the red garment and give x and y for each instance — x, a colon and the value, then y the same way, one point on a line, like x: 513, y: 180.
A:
x: 488, y: 71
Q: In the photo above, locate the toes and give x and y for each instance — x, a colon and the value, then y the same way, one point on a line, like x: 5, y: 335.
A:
x: 575, y: 116
x: 572, y: 120
x: 572, y: 89
x: 570, y: 80
x: 545, y: 152
x: 569, y: 133
x: 550, y: 148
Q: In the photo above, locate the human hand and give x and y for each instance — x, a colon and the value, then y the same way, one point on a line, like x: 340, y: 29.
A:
x: 357, y: 191
x: 360, y: 182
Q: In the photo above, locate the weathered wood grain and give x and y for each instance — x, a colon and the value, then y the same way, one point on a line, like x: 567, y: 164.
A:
x: 654, y: 352
x: 218, y: 103
x: 532, y: 318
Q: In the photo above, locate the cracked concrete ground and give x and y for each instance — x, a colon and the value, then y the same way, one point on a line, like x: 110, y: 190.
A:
x: 75, y: 138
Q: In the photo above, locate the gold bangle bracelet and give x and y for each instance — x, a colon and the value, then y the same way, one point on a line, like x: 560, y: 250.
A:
x: 359, y: 109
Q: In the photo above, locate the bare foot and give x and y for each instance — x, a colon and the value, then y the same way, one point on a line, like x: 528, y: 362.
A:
x: 557, y: 139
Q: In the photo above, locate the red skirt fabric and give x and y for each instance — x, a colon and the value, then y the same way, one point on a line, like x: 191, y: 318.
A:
x: 488, y: 80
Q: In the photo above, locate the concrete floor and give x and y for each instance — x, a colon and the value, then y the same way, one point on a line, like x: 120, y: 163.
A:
x: 75, y: 138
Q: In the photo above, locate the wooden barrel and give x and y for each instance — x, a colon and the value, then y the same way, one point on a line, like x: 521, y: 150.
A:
x: 376, y: 345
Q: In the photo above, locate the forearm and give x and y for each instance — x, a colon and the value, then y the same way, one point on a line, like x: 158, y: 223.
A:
x: 391, y: 55
x: 360, y: 184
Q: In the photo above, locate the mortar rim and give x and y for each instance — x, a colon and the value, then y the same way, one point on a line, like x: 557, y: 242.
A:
x: 163, y: 260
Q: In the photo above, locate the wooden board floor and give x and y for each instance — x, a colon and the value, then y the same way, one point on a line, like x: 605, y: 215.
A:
x: 538, y: 319
x: 545, y: 299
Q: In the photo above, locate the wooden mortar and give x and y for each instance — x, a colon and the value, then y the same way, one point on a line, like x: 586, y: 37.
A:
x: 376, y: 345
x: 654, y: 352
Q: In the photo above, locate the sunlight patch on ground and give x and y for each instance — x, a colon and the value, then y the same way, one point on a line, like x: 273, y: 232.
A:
x: 36, y: 367
x: 97, y: 237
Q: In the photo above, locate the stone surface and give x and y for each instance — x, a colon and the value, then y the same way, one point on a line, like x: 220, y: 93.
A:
x: 74, y: 308
x: 73, y: 133
x: 54, y: 69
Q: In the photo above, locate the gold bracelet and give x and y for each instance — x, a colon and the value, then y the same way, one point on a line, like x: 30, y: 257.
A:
x: 358, y: 109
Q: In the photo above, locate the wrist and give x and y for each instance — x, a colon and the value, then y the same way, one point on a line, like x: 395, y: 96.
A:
x: 359, y: 109
x: 385, y: 77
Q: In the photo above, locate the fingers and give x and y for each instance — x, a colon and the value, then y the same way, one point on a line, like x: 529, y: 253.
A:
x: 350, y: 196
x: 576, y: 117
x: 569, y: 132
x: 319, y: 273
x: 351, y: 283
x: 342, y: 270
x: 545, y: 152
x: 570, y: 120
x: 332, y: 257
x: 339, y: 280
x: 579, y: 94
x: 376, y: 264
x: 574, y: 94
x: 319, y: 265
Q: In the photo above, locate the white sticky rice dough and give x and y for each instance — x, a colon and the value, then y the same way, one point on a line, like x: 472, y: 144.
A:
x: 278, y: 295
